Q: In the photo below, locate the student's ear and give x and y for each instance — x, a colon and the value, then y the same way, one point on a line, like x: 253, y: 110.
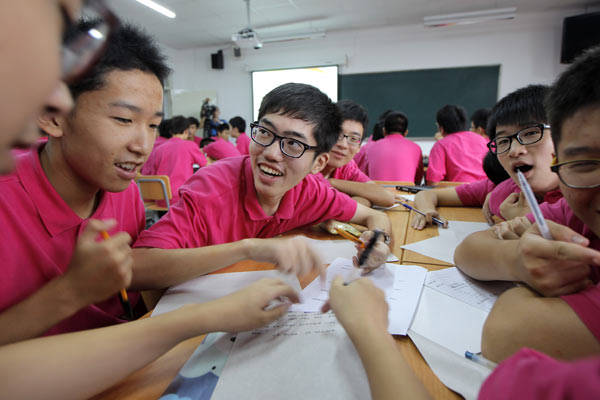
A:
x: 319, y: 163
x: 406, y: 132
x: 52, y: 124
x: 384, y: 131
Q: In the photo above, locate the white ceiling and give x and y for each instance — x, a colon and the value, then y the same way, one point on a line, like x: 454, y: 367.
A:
x: 210, y: 23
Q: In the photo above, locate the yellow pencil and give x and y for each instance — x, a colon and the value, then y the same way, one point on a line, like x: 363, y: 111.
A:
x: 350, y: 236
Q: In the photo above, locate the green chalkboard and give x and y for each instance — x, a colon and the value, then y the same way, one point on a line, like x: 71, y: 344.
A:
x: 420, y: 93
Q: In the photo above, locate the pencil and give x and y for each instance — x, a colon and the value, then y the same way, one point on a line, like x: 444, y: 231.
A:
x: 349, y: 236
x: 123, y: 293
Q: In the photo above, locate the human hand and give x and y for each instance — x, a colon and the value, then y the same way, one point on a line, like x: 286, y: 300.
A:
x: 512, y: 229
x: 555, y: 267
x: 487, y: 213
x: 291, y: 255
x: 357, y: 305
x: 99, y: 269
x: 378, y: 255
x: 515, y: 205
x: 249, y: 308
x: 421, y: 221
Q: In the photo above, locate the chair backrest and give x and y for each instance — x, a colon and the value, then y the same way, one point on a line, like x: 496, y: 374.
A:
x: 155, y: 187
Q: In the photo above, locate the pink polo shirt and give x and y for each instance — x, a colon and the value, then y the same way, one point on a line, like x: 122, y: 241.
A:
x: 394, y: 158
x: 39, y: 235
x: 349, y: 172
x: 457, y: 157
x: 473, y: 194
x: 530, y: 375
x: 219, y: 205
x: 160, y: 140
x: 220, y: 149
x: 175, y: 159
x: 360, y: 159
x: 242, y: 144
x: 505, y: 188
x: 587, y: 302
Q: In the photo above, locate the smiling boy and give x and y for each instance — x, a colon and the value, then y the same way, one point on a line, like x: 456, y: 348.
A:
x: 225, y: 206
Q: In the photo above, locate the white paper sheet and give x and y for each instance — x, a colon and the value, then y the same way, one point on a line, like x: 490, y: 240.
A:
x: 329, y: 250
x: 454, y: 283
x: 211, y: 287
x: 409, y: 197
x: 442, y: 247
x: 300, y: 356
x: 402, y: 285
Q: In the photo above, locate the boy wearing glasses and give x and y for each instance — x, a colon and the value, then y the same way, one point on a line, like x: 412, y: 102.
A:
x: 341, y: 171
x: 228, y: 209
x: 394, y: 158
x: 565, y: 326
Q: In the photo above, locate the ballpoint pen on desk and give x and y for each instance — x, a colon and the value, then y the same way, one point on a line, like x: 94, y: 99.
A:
x: 356, y: 272
x: 479, y: 359
x: 434, y: 219
x: 533, y: 205
x: 122, y: 293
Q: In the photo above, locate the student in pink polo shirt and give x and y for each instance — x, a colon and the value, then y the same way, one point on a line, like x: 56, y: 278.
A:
x: 341, y: 171
x: 569, y: 326
x: 522, y: 112
x: 176, y: 158
x: 270, y: 192
x: 479, y: 120
x: 238, y: 131
x: 395, y: 158
x: 221, y: 148
x: 377, y: 134
x: 457, y: 157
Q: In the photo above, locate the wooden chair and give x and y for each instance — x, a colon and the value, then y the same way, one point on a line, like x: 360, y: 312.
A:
x: 152, y: 188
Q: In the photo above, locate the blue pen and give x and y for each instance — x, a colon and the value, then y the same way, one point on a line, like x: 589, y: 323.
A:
x: 435, y: 220
x: 480, y: 360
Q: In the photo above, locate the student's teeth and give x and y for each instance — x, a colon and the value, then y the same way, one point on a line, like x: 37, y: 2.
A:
x: 128, y: 167
x: 270, y: 171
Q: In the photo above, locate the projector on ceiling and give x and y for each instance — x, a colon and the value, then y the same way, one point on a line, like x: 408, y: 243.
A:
x: 246, y: 39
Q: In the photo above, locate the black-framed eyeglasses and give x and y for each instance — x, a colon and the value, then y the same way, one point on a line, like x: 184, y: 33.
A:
x: 351, y: 139
x: 290, y: 147
x: 81, y: 49
x: 578, y: 174
x: 526, y: 136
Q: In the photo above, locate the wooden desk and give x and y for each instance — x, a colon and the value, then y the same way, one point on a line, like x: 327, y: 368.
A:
x: 151, y: 381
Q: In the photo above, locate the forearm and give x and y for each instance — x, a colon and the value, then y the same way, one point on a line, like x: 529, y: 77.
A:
x: 379, y: 220
x: 483, y: 256
x: 93, y: 360
x: 374, y: 193
x: 39, y: 312
x: 160, y: 268
x: 388, y: 374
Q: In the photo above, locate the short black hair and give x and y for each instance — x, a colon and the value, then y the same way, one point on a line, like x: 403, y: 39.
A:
x: 351, y: 111
x: 452, y: 118
x: 178, y: 124
x: 480, y: 117
x: 239, y: 123
x: 194, y: 121
x: 127, y: 48
x: 396, y: 122
x: 378, y: 127
x: 222, y: 127
x: 575, y: 89
x: 164, y: 128
x: 493, y: 169
x: 309, y: 104
x: 206, y: 141
x: 523, y: 107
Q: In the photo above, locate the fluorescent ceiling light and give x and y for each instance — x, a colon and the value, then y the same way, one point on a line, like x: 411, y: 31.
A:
x: 157, y: 7
x: 297, y: 36
x: 470, y: 17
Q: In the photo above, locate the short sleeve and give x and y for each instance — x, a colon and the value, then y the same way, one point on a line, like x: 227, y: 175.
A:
x: 474, y: 194
x: 436, y: 169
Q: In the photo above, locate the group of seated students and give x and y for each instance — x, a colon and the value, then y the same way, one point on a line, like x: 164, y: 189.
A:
x: 72, y: 215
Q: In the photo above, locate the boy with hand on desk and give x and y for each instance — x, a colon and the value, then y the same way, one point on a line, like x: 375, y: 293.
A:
x: 521, y: 140
x: 567, y: 326
x: 270, y: 192
x: 341, y: 171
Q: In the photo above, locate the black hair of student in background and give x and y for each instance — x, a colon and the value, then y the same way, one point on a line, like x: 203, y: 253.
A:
x: 164, y: 128
x: 206, y: 141
x: 305, y: 102
x: 129, y: 48
x: 378, y: 127
x: 352, y: 111
x: 575, y: 89
x: 493, y: 169
x: 451, y: 118
x: 178, y: 124
x: 239, y: 123
x: 480, y: 117
x: 523, y: 107
x: 222, y: 127
x: 396, y: 122
x: 194, y: 121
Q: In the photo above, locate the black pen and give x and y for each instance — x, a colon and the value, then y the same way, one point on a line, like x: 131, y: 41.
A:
x: 435, y: 220
x: 363, y: 257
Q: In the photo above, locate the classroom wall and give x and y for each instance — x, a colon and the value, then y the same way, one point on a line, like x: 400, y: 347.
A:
x: 527, y: 49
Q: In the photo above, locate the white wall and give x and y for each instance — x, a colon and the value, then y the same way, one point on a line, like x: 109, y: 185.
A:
x: 527, y: 48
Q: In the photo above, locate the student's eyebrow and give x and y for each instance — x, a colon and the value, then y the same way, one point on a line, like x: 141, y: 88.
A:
x: 292, y: 133
x: 133, y: 108
x: 581, y: 150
